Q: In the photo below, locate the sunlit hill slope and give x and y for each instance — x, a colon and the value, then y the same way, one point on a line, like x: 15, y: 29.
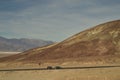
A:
x: 100, y: 42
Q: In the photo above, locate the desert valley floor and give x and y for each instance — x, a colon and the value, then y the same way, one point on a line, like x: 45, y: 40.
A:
x: 71, y: 74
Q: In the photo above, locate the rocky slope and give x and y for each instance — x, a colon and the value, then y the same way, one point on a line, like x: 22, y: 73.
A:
x: 99, y: 42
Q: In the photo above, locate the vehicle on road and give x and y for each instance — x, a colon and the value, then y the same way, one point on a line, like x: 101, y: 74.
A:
x: 49, y: 67
x: 58, y: 67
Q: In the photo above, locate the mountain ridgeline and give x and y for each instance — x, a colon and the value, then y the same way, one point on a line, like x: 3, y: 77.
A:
x: 20, y: 45
x: 101, y: 41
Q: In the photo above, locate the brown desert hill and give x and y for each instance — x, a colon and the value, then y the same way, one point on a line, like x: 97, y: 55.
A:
x: 101, y: 41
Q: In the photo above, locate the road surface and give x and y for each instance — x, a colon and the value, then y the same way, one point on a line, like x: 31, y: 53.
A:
x: 61, y: 68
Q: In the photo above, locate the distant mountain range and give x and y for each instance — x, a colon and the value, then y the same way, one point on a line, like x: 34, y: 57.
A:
x: 22, y: 44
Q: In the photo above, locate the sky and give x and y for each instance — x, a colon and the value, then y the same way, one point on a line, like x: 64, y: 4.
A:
x: 54, y: 20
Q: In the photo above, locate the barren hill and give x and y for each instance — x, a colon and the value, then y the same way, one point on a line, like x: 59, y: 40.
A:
x: 99, y: 42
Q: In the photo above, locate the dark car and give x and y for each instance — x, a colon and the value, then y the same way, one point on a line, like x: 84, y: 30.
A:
x: 58, y: 67
x: 49, y: 67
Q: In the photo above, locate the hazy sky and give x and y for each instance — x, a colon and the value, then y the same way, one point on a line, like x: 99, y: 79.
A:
x: 53, y: 20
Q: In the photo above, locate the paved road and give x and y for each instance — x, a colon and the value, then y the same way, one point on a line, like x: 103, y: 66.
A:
x: 61, y: 68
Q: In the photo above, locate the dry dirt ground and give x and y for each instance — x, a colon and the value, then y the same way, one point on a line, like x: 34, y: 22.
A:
x: 4, y: 55
x: 112, y: 73
x: 77, y: 74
